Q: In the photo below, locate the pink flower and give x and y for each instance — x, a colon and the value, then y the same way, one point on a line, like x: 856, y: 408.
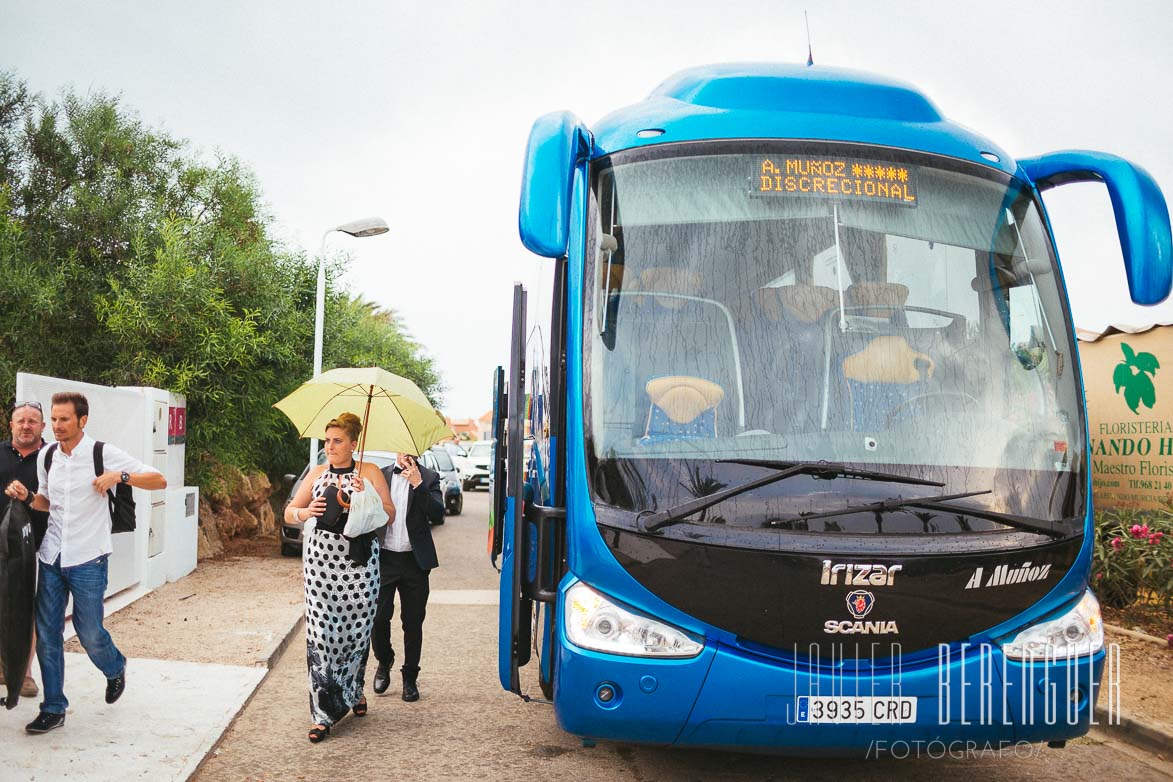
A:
x: 1117, y: 544
x: 1139, y: 530
x: 1155, y: 538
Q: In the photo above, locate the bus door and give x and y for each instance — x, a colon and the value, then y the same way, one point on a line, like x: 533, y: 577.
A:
x: 527, y: 526
x: 513, y: 643
x: 545, y: 515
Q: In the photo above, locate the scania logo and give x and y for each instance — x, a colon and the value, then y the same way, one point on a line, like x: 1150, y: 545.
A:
x: 856, y: 574
x: 860, y: 602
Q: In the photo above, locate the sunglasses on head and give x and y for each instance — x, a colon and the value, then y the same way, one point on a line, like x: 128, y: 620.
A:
x: 34, y: 404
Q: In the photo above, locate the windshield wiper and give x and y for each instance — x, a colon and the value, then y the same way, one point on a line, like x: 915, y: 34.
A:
x: 827, y: 470
x: 1018, y: 522
x: 933, y: 503
x: 824, y: 470
x: 873, y: 507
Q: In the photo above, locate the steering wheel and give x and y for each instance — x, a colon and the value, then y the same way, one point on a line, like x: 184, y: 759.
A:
x: 967, y: 401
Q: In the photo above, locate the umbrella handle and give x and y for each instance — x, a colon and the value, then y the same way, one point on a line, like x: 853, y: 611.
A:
x: 362, y: 446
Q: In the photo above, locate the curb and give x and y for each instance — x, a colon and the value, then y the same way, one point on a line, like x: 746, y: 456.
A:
x: 1138, y: 635
x: 268, y: 657
x: 1133, y: 732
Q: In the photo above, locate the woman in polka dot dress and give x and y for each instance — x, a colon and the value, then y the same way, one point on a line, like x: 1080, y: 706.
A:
x: 341, y: 577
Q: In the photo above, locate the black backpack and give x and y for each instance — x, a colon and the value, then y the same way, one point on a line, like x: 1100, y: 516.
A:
x: 121, y: 499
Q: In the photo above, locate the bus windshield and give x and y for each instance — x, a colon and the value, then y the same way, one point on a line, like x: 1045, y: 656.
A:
x: 796, y: 302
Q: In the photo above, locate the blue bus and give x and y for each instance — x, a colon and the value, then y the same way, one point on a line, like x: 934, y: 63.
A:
x: 796, y: 461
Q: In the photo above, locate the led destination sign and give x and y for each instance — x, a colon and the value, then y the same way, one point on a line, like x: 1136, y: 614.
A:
x: 840, y: 178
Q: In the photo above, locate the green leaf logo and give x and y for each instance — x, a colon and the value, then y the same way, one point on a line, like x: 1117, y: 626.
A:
x: 1135, y: 375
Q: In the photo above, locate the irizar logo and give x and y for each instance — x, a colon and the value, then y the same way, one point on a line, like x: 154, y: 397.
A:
x: 858, y: 575
x: 1003, y: 575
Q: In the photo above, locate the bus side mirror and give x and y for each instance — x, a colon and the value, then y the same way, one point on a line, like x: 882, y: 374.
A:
x: 1142, y: 217
x: 556, y: 143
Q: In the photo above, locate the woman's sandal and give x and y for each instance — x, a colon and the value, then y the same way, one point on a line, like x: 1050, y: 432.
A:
x: 360, y: 708
x: 318, y: 733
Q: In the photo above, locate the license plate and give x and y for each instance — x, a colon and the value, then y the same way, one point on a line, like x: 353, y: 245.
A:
x: 867, y: 709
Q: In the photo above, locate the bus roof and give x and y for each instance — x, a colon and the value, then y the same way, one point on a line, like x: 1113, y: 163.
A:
x: 785, y: 100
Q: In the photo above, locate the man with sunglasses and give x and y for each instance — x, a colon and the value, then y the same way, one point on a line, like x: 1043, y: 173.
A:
x: 18, y: 462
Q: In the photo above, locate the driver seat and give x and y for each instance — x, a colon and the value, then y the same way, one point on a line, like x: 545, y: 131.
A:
x: 681, y: 407
x: 880, y: 378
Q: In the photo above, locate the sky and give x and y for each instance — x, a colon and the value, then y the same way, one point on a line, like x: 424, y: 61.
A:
x: 419, y: 113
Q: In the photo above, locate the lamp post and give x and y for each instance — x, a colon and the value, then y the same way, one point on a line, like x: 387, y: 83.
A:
x: 360, y: 229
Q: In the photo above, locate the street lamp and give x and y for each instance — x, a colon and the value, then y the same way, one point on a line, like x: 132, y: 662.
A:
x: 360, y: 229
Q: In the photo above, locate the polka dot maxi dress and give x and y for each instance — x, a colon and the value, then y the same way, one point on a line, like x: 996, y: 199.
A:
x: 339, y: 612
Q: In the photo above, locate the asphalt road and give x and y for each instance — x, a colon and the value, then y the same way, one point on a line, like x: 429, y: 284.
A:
x: 466, y: 727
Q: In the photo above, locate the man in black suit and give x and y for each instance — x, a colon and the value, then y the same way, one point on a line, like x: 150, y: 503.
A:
x: 406, y: 556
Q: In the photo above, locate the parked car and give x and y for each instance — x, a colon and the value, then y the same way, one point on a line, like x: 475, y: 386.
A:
x: 291, y: 533
x: 439, y: 460
x: 480, y: 457
x: 459, y: 456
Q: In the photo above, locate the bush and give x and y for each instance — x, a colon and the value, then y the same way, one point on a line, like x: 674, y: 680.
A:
x: 128, y: 260
x: 1134, y: 556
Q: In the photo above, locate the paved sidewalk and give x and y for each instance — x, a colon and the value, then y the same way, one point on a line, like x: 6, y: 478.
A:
x: 198, y: 649
x: 170, y: 716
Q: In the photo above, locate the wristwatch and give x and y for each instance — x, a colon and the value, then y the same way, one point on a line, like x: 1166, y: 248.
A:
x: 125, y: 477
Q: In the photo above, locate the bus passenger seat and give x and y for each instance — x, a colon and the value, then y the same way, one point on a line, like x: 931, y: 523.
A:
x: 878, y: 299
x: 882, y: 377
x: 793, y: 354
x: 672, y: 280
x: 681, y: 407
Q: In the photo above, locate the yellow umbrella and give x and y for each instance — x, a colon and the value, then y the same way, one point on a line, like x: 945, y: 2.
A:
x: 396, y: 414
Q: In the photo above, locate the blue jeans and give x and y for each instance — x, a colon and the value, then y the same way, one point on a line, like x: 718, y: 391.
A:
x: 87, y: 584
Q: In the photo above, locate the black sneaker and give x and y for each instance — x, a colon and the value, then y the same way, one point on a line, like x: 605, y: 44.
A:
x: 382, y: 678
x: 45, y: 722
x: 411, y: 693
x: 115, y: 686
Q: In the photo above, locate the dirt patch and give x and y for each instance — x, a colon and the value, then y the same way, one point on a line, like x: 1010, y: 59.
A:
x: 259, y: 547
x: 1147, y: 618
x: 1146, y: 681
x: 230, y: 610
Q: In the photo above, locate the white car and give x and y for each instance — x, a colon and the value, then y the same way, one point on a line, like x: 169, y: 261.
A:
x: 480, y: 462
x: 459, y: 456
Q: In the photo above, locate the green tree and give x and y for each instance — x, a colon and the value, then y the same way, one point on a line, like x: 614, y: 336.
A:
x: 129, y: 261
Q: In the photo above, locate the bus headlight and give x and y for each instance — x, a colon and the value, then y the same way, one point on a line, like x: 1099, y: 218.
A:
x: 599, y: 623
x: 1079, y: 632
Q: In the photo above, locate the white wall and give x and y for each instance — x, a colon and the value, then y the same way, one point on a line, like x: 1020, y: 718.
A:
x: 136, y: 419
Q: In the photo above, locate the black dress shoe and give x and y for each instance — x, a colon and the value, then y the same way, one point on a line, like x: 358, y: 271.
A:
x: 45, y: 722
x: 382, y: 678
x: 411, y: 693
x: 115, y: 686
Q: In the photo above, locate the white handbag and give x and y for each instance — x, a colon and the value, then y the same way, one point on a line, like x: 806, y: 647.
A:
x: 366, y: 513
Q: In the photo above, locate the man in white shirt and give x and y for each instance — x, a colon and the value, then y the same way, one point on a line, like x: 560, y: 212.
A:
x: 74, y: 555
x: 407, y: 555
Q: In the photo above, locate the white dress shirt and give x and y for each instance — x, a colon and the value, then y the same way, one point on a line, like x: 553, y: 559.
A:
x: 79, y: 517
x: 397, y: 538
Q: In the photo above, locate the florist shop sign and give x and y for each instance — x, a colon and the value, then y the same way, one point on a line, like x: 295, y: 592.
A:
x: 1128, y: 379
